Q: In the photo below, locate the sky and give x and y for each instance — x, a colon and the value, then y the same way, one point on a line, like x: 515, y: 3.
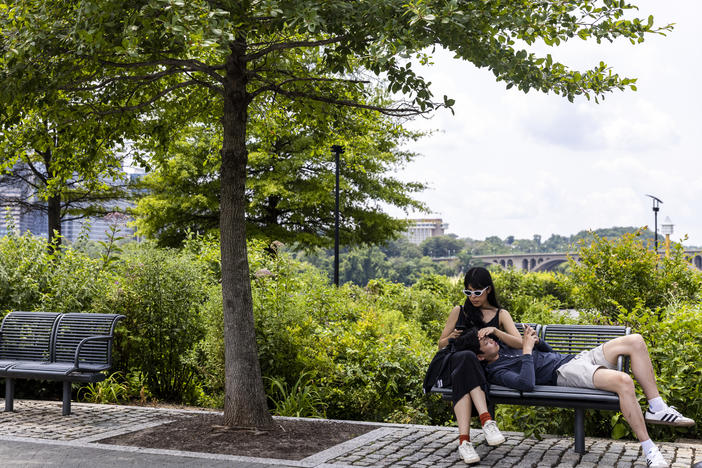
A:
x: 509, y: 163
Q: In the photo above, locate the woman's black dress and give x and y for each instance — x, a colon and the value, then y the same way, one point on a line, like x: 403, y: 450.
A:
x: 466, y: 370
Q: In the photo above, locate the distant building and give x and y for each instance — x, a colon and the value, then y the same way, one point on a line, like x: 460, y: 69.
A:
x: 422, y: 229
x: 36, y: 221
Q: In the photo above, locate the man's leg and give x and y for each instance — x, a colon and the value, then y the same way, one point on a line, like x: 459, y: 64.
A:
x: 621, y: 384
x: 634, y: 346
x: 658, y: 411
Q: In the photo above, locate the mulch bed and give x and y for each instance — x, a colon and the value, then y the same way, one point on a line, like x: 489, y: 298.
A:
x: 289, y: 440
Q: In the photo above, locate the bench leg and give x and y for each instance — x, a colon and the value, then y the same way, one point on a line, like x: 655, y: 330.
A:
x: 66, y: 398
x: 9, y: 394
x: 580, y: 430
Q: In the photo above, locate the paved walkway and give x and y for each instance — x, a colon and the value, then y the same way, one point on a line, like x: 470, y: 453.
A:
x: 37, y: 435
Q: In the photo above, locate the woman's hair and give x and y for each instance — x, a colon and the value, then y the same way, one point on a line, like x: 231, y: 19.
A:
x: 478, y: 278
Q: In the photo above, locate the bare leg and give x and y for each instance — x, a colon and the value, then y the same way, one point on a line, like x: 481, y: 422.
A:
x: 621, y: 384
x: 634, y: 346
x: 478, y: 397
x: 462, y: 409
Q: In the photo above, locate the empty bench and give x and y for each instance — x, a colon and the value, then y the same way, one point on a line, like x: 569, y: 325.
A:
x: 566, y: 339
x: 71, y: 347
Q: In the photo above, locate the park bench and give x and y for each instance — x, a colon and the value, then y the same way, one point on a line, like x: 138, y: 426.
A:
x: 71, y: 347
x: 567, y: 339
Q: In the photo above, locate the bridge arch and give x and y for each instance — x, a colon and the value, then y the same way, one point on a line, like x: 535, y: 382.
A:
x: 549, y: 265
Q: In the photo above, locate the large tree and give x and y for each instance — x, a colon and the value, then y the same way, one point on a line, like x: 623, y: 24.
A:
x: 146, y: 55
x: 290, y: 178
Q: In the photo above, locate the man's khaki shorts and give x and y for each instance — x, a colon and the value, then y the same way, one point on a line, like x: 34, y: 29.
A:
x: 578, y: 372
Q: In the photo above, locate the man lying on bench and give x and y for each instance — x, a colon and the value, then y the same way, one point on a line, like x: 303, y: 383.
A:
x: 537, y: 364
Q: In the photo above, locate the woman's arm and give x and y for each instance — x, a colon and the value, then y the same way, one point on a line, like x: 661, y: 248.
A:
x: 450, y: 327
x: 507, y: 333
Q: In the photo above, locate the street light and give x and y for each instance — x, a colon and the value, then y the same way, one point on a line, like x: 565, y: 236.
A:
x: 656, y: 202
x: 667, y: 229
x: 337, y: 150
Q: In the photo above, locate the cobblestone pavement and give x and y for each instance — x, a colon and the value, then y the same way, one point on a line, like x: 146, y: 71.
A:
x: 86, y: 423
x: 438, y: 447
x: 392, y: 445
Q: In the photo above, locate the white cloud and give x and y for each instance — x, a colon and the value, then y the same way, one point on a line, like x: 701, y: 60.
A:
x: 518, y: 164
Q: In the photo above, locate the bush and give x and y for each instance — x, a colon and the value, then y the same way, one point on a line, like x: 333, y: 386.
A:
x: 25, y: 268
x: 359, y: 353
x: 676, y: 352
x: 32, y: 278
x: 160, y: 292
x: 623, y: 273
x: 529, y: 297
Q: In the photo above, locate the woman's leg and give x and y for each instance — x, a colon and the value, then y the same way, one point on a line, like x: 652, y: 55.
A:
x: 462, y: 410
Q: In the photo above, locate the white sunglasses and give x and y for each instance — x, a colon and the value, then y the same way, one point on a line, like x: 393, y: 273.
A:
x: 477, y: 293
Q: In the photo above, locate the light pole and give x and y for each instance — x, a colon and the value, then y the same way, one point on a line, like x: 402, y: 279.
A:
x: 337, y: 150
x: 667, y: 229
x: 656, y: 202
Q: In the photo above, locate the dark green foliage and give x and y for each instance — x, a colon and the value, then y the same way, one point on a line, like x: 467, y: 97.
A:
x: 161, y: 293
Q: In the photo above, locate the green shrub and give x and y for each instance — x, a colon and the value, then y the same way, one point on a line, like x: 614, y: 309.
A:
x: 302, y: 400
x: 531, y: 296
x: 625, y: 273
x: 160, y: 292
x: 25, y: 267
x: 32, y: 278
x: 676, y: 352
x: 366, y: 359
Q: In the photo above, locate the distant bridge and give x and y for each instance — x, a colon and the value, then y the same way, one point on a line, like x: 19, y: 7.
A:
x: 549, y: 261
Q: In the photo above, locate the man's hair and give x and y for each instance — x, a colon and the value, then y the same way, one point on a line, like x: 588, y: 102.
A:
x: 468, y: 341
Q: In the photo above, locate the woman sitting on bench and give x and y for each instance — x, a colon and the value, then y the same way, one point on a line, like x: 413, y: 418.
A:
x: 482, y: 312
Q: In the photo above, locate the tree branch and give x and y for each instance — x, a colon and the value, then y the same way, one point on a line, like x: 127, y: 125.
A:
x: 147, y: 103
x: 394, y: 112
x: 291, y: 45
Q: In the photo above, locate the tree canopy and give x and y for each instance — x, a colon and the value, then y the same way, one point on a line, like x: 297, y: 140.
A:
x: 290, y: 178
x: 157, y: 58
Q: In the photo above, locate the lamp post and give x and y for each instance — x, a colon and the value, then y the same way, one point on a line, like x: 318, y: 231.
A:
x: 337, y: 150
x: 656, y: 202
x: 667, y: 229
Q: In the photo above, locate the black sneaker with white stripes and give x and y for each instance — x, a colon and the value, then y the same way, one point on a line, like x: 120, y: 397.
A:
x: 669, y: 417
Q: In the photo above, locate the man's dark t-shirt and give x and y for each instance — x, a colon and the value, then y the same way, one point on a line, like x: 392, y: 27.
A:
x: 522, y: 371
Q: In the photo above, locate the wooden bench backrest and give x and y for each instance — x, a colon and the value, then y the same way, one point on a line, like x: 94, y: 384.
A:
x: 27, y: 335
x: 74, y: 328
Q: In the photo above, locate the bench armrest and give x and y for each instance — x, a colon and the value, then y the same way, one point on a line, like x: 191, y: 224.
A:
x: 76, y: 362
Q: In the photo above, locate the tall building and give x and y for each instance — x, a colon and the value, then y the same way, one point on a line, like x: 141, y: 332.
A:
x: 425, y: 228
x: 36, y: 221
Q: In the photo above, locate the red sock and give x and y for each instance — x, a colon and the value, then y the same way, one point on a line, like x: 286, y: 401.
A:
x: 462, y: 437
x: 485, y: 417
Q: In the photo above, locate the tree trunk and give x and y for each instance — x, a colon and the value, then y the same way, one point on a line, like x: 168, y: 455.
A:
x: 53, y: 205
x: 54, y: 208
x: 245, y: 398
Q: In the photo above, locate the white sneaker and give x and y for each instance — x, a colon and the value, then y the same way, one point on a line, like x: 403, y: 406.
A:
x: 669, y: 417
x: 492, y: 433
x: 654, y: 459
x: 468, y: 453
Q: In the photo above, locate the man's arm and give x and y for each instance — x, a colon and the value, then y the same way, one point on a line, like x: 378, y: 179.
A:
x: 523, y: 380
